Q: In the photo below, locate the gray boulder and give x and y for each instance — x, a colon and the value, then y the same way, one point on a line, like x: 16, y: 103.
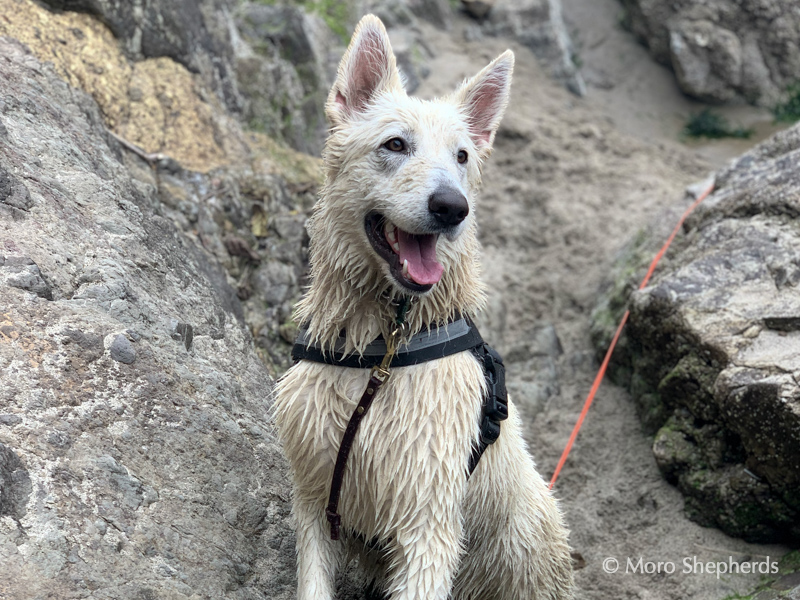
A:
x: 723, y: 50
x: 282, y: 58
x: 137, y: 458
x: 270, y: 64
x: 712, y: 348
x: 539, y: 25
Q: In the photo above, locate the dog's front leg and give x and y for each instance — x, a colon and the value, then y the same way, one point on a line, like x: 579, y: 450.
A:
x: 426, y: 557
x: 318, y: 556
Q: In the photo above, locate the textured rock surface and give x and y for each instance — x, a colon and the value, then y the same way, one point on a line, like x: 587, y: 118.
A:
x: 539, y: 25
x: 712, y: 349
x: 785, y: 585
x: 282, y: 57
x: 250, y: 219
x: 194, y: 34
x: 723, y: 50
x: 156, y: 103
x: 137, y: 458
x: 270, y: 64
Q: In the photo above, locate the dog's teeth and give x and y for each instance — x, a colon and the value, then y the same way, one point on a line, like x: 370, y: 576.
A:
x: 396, y: 247
x: 405, y: 268
x: 390, y: 233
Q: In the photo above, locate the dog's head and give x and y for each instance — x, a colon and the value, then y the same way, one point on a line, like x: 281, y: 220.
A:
x: 405, y: 169
x: 402, y: 175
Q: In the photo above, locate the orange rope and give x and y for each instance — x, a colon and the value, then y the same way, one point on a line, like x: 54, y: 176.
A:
x: 602, y: 372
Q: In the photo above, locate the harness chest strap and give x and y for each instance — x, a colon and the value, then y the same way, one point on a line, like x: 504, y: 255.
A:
x: 452, y: 338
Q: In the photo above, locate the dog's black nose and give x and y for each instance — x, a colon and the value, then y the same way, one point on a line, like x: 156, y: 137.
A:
x: 448, y: 206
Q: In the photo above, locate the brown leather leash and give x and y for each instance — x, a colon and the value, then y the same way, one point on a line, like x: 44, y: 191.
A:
x: 377, y: 377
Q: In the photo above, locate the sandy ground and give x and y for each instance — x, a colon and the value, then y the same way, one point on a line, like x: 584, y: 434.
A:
x: 570, y: 181
x: 640, y: 95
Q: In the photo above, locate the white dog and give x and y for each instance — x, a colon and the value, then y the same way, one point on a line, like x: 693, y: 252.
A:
x: 395, y: 221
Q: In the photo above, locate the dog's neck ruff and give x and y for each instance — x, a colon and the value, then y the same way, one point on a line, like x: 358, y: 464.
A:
x: 436, y: 342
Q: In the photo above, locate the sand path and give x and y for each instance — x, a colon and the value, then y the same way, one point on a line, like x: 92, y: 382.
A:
x: 570, y: 181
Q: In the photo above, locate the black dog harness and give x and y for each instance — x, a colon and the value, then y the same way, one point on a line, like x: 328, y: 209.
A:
x: 456, y: 336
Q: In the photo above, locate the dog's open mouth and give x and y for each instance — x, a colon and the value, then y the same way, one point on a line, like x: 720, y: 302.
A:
x: 411, y: 257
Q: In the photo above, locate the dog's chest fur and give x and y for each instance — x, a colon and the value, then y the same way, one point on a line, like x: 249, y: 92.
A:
x: 414, y: 443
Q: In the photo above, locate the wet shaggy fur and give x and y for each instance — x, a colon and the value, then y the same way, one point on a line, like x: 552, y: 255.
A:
x: 497, y: 535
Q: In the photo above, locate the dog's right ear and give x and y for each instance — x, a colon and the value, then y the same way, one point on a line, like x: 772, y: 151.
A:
x: 484, y: 98
x: 368, y: 67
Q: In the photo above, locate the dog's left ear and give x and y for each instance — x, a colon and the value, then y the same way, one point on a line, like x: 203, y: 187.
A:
x: 368, y: 67
x: 484, y: 98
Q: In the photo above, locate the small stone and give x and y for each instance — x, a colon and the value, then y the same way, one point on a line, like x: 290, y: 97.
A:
x: 288, y: 332
x: 275, y: 282
x: 59, y: 439
x: 122, y: 350
x: 590, y: 131
x: 752, y: 332
x: 10, y: 420
x: 182, y: 332
x: 13, y: 192
x: 25, y: 275
x: 236, y: 246
x: 19, y: 261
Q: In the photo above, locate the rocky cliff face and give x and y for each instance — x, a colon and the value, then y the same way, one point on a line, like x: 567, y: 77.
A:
x: 137, y: 458
x: 712, y: 348
x: 264, y: 64
x: 151, y: 249
x: 723, y: 50
x: 539, y: 25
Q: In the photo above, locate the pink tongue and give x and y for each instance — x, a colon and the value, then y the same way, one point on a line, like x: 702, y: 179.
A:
x: 420, y: 252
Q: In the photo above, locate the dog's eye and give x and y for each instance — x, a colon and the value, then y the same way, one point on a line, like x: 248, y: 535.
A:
x: 462, y: 156
x: 395, y: 145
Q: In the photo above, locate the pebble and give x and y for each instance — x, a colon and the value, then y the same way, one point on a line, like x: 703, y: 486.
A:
x: 122, y: 350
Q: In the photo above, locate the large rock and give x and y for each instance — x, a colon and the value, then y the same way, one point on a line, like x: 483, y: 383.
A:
x: 239, y: 195
x: 712, y: 349
x: 266, y: 64
x: 539, y: 25
x: 137, y: 458
x: 194, y: 34
x: 723, y: 50
x: 282, y: 57
x: 156, y: 103
x: 270, y: 65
